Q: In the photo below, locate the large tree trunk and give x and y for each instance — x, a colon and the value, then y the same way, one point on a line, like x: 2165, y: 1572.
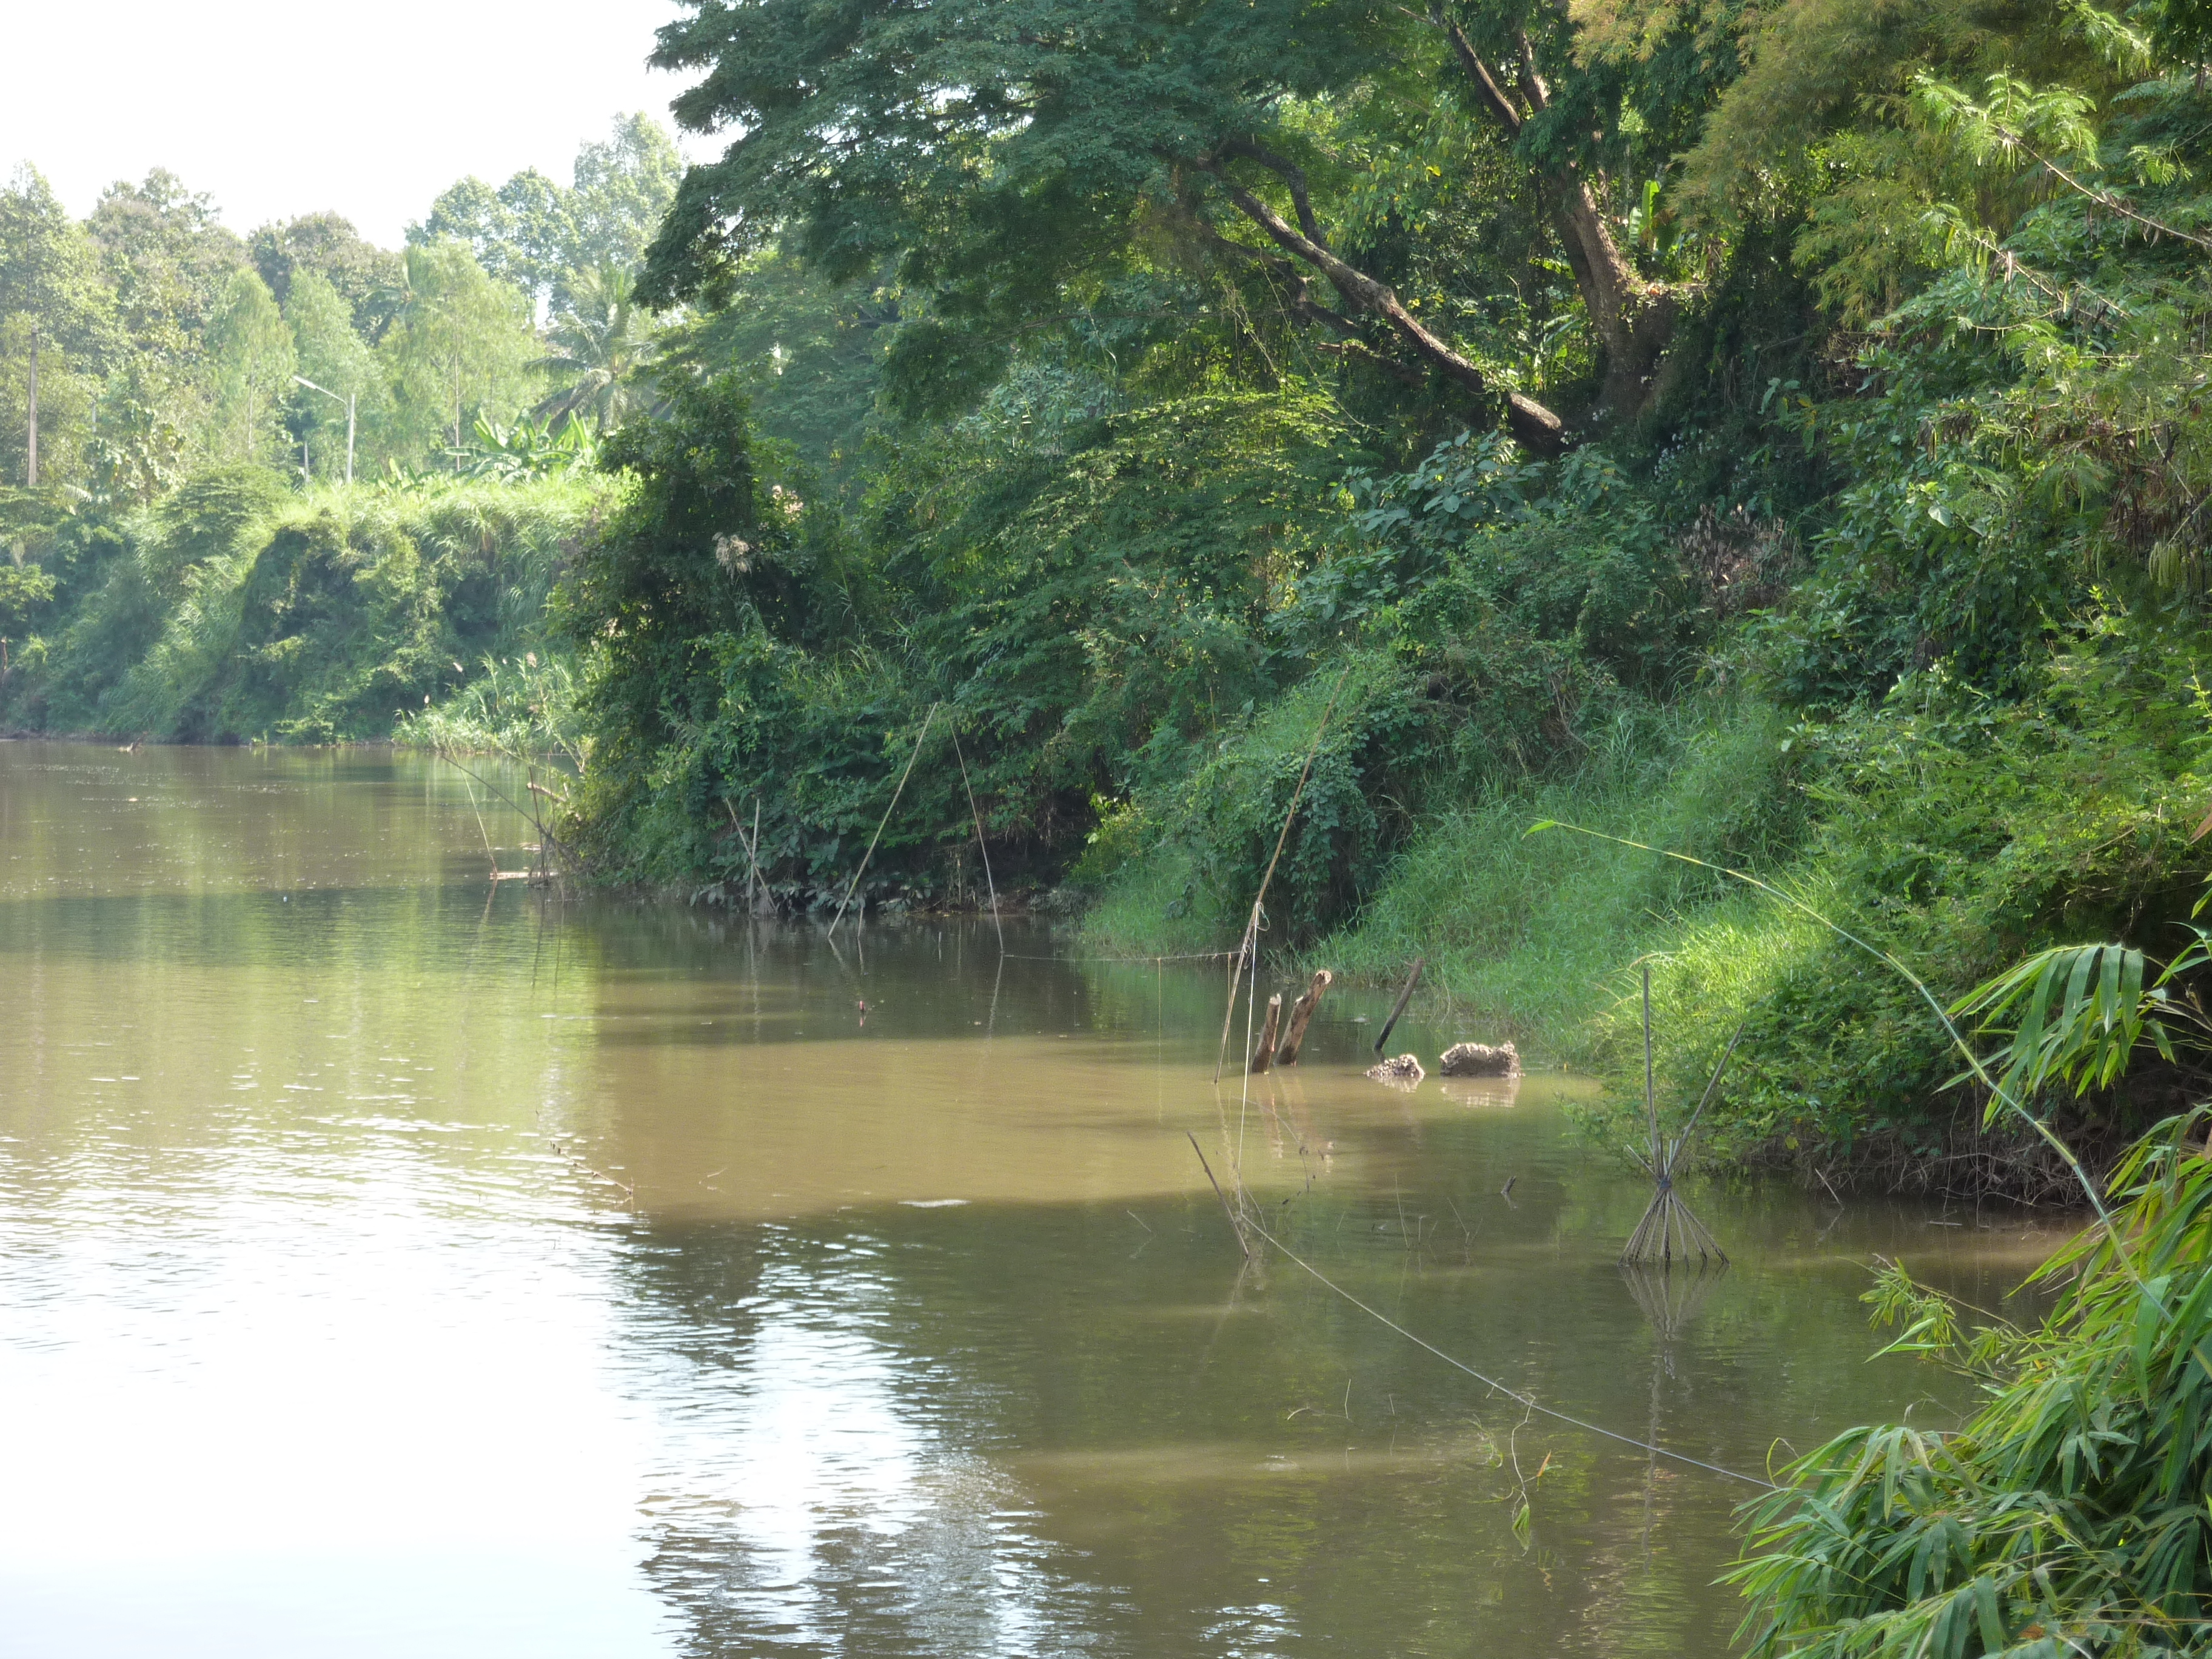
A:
x: 1634, y: 319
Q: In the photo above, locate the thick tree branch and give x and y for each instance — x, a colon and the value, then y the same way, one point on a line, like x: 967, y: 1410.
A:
x: 1300, y: 302
x: 1360, y: 351
x: 1531, y: 81
x: 1470, y: 60
x: 1290, y: 172
x: 1633, y: 320
x: 1535, y: 425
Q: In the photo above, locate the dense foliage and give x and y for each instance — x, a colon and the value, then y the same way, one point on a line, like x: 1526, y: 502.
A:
x: 238, y: 608
x: 1153, y: 405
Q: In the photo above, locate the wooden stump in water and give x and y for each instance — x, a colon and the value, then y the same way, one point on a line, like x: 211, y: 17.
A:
x: 1301, y: 1011
x: 1264, y: 1056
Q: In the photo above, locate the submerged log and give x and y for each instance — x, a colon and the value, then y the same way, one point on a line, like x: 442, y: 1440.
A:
x: 1480, y: 1060
x: 1301, y: 1011
x: 1397, y: 1069
x: 1264, y: 1056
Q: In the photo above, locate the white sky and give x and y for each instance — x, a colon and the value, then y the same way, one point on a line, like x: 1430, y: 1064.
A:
x: 277, y: 110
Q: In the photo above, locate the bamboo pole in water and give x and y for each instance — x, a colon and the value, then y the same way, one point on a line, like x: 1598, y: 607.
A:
x: 1264, y: 1056
x: 752, y: 854
x: 1399, y: 1006
x: 1295, y: 1037
x: 888, y: 811
x: 1235, y: 1220
x: 1669, y: 1226
x: 1251, y: 939
x: 1650, y: 1099
x: 974, y: 813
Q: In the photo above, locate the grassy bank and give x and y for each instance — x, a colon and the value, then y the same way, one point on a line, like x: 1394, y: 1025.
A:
x: 238, y: 608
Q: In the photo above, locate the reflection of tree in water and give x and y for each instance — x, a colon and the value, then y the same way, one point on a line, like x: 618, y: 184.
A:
x: 1001, y: 1430
x: 1034, y: 1427
x: 809, y: 1499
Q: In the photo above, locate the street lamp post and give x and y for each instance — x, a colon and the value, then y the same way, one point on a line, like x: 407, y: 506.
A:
x: 348, y: 400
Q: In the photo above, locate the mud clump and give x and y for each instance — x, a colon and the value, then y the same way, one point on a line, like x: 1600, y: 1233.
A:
x: 1480, y: 1060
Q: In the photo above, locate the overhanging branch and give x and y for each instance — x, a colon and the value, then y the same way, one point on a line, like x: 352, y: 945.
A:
x: 1535, y: 425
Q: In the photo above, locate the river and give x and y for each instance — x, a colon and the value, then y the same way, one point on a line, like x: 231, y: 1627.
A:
x: 392, y: 1261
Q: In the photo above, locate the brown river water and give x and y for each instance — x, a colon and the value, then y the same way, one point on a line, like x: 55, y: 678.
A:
x: 395, y: 1263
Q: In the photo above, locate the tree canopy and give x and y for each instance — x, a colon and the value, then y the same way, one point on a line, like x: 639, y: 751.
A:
x: 1012, y: 159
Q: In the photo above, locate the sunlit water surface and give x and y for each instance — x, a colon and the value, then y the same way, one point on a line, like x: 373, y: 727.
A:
x: 394, y: 1263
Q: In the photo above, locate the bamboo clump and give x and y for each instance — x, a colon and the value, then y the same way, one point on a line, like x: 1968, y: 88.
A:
x: 1670, y: 1229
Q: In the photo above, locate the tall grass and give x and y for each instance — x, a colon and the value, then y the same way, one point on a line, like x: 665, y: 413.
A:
x: 519, y: 707
x: 1529, y: 937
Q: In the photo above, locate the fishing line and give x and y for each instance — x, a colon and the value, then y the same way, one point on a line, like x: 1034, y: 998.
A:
x: 854, y: 883
x: 1192, y: 955
x: 980, y: 847
x: 1491, y: 1382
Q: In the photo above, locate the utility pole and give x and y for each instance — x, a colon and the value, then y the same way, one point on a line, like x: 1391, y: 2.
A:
x: 350, y: 400
x: 33, y: 469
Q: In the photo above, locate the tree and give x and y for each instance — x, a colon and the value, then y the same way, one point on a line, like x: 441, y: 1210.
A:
x: 65, y: 406
x: 538, y: 234
x: 49, y: 282
x: 620, y: 192
x: 521, y: 233
x: 810, y: 352
x: 1006, y: 154
x: 169, y: 260
x: 251, y: 362
x: 602, y: 341
x: 50, y: 271
x: 366, y: 277
x: 1555, y: 81
x: 460, y: 347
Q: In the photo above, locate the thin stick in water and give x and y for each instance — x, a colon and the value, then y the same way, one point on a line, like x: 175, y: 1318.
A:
x: 1399, y: 1007
x: 851, y: 885
x: 752, y: 859
x: 1650, y: 1100
x: 980, y: 847
x: 1236, y: 1221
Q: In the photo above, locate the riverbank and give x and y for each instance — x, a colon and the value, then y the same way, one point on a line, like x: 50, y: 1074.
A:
x: 1957, y: 831
x: 238, y: 609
